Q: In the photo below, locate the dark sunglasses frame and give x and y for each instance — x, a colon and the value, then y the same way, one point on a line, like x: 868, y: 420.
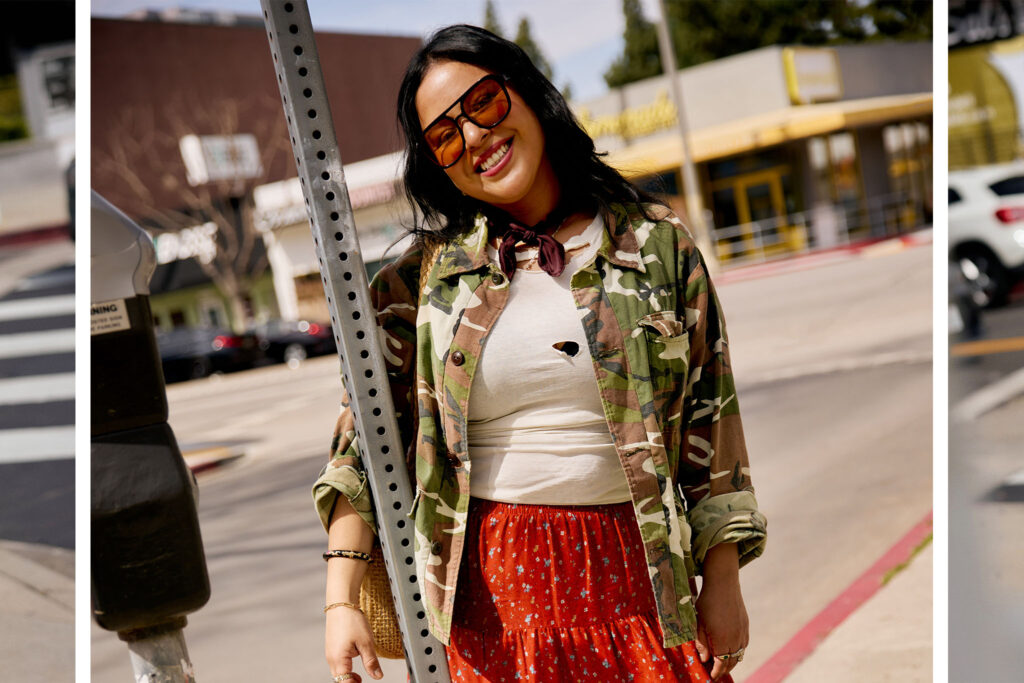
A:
x: 501, y: 81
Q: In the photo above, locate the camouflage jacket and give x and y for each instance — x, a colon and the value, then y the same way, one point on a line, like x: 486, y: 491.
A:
x: 658, y: 343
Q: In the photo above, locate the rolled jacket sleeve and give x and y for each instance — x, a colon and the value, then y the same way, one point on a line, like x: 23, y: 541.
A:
x: 394, y: 295
x: 344, y: 473
x: 714, y: 472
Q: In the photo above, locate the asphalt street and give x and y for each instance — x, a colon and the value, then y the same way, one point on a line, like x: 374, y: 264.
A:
x: 37, y: 496
x: 834, y: 374
x: 986, y: 511
x: 37, y: 408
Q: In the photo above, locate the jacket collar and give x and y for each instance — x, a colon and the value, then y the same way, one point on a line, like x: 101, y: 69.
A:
x: 620, y: 245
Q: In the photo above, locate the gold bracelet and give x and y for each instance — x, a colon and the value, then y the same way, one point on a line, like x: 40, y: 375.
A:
x: 343, y: 604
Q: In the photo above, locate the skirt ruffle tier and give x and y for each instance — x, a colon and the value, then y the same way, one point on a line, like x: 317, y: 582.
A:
x: 560, y: 594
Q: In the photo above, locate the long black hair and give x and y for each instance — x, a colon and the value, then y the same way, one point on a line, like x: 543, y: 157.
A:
x: 584, y: 178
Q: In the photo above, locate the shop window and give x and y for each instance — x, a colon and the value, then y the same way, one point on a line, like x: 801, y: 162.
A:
x: 177, y: 318
x: 59, y: 80
x: 748, y: 163
x: 908, y: 152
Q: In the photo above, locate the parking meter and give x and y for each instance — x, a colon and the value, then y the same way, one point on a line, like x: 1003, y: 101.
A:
x: 148, y: 567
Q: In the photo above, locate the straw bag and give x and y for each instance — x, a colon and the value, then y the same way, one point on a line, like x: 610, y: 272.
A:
x: 375, y: 593
x: 379, y: 607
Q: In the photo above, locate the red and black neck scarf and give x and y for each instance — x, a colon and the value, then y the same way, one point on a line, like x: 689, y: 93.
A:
x: 551, y: 254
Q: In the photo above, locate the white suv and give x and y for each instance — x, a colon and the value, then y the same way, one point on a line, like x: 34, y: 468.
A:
x: 986, y: 227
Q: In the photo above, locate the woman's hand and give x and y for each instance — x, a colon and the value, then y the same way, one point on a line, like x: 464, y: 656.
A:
x: 722, y: 625
x: 349, y: 636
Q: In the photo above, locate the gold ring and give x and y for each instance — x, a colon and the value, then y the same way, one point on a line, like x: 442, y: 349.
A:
x: 738, y: 655
x: 343, y: 677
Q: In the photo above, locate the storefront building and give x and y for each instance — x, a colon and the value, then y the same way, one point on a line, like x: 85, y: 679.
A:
x: 794, y: 148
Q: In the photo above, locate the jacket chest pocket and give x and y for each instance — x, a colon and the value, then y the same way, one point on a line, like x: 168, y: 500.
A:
x: 668, y: 343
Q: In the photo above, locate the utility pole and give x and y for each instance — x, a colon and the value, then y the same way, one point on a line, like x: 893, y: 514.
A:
x: 691, y: 191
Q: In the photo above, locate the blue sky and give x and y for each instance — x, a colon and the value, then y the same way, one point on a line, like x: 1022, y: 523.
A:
x: 579, y: 37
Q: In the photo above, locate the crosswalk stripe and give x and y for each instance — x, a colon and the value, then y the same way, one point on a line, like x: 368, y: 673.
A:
x: 42, y: 307
x: 43, y: 443
x: 56, y: 387
x: 37, y: 343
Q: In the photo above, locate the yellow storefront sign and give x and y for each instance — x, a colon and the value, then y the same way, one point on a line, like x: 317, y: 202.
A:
x: 985, y: 89
x: 633, y: 122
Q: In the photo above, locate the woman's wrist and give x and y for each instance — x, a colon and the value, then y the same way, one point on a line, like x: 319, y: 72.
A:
x: 722, y: 563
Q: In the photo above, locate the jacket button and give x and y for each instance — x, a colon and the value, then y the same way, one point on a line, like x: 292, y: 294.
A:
x: 458, y: 358
x: 497, y: 278
x: 436, y: 548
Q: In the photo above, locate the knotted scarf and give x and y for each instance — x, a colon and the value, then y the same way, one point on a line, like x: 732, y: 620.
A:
x: 551, y: 253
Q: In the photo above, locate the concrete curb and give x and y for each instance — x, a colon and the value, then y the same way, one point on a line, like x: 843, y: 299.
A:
x: 989, y: 397
x: 29, y: 572
x: 802, y: 647
x: 34, y: 259
x: 877, y: 246
x: 202, y: 458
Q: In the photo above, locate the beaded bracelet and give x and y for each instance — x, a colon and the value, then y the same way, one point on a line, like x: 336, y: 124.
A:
x: 350, y: 554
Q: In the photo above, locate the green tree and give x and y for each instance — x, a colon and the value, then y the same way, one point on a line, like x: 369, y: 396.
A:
x: 902, y: 19
x: 640, y: 58
x: 491, y: 22
x: 525, y: 40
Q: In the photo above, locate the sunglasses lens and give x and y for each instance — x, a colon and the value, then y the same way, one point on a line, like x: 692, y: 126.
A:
x: 486, y: 104
x: 445, y: 141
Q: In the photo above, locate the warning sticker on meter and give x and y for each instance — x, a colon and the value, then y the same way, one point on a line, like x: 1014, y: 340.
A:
x: 109, y: 316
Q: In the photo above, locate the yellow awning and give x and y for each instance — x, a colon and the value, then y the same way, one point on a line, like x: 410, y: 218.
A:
x: 764, y: 130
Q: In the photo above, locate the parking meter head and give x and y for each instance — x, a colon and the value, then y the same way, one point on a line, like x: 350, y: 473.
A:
x: 123, y: 254
x: 127, y: 379
x: 148, y: 565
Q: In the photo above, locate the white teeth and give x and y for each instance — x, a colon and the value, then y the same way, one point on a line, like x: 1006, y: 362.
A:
x: 494, y: 158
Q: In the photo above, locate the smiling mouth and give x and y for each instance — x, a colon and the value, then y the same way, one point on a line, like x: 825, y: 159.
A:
x: 495, y: 157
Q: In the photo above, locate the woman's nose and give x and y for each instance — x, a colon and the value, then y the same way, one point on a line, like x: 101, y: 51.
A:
x: 473, y: 134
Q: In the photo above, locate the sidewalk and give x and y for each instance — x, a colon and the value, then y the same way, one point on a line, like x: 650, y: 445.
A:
x: 33, y: 193
x: 863, y: 249
x: 37, y: 613
x: 887, y: 638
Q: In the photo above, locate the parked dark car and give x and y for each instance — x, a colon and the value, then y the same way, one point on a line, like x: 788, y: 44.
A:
x: 194, y: 352
x: 292, y: 341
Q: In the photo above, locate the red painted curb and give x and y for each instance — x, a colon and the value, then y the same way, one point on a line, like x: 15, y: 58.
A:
x: 35, y: 236
x: 808, y: 638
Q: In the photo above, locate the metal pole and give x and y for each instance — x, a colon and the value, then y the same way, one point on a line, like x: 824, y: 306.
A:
x: 691, y: 191
x: 161, y: 658
x: 297, y: 64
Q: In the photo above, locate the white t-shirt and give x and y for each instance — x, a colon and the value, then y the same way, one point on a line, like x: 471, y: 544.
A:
x: 537, y: 430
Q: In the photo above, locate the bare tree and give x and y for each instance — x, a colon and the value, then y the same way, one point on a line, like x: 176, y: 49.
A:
x: 142, y: 155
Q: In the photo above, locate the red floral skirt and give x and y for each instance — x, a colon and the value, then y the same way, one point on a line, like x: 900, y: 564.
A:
x: 560, y: 594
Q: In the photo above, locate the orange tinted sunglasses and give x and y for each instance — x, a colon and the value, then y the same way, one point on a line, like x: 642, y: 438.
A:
x: 485, y: 104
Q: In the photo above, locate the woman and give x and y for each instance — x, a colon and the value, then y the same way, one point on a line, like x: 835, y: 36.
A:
x: 567, y: 555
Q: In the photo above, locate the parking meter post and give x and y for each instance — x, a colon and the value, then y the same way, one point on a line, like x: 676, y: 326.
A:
x: 296, y: 61
x: 160, y: 655
x: 148, y: 566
